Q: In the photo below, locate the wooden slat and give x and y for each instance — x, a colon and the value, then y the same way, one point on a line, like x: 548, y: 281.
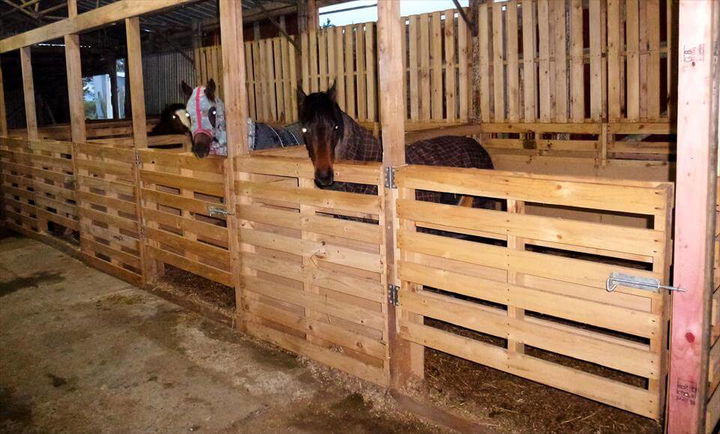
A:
x: 652, y: 82
x: 596, y: 87
x: 591, y: 386
x: 324, y: 199
x: 436, y: 97
x: 619, y: 197
x: 577, y: 79
x: 317, y: 250
x: 613, y: 62
x: 484, y: 42
x: 449, y: 66
x: 559, y: 53
x: 498, y: 63
x: 329, y: 357
x: 544, y: 56
x: 203, y: 270
x: 513, y: 81
x: 529, y: 66
x: 632, y: 29
x: 563, y: 231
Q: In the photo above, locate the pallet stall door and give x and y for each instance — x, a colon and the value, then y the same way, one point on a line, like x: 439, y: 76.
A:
x: 183, y: 201
x: 537, y: 284
x: 109, y: 225
x: 312, y: 263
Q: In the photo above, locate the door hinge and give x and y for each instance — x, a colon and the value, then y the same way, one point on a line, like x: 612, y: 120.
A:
x: 393, y: 294
x: 138, y: 159
x: 644, y: 283
x: 390, y: 177
x: 218, y: 211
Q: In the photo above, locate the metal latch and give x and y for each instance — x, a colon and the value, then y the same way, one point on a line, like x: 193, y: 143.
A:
x: 644, y: 283
x: 393, y: 294
x: 215, y: 211
x: 138, y: 159
x: 390, y: 177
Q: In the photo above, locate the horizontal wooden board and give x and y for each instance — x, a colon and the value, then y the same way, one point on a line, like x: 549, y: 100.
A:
x: 336, y: 200
x: 588, y: 385
x: 610, y: 195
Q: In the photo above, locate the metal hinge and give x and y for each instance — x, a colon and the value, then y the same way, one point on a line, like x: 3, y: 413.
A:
x: 142, y: 233
x: 138, y: 159
x: 644, y: 283
x: 390, y: 177
x: 393, y: 294
x: 215, y: 210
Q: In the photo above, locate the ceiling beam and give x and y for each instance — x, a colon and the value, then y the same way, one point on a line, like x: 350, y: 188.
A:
x: 89, y: 20
x: 18, y: 7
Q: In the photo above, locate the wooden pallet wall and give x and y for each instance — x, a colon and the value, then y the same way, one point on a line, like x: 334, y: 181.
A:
x: 107, y: 200
x: 525, y: 293
x: 178, y: 193
x: 313, y: 283
x: 38, y: 188
x: 574, y: 61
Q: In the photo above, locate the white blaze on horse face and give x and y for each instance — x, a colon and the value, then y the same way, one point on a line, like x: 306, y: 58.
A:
x: 184, y: 117
x: 198, y: 107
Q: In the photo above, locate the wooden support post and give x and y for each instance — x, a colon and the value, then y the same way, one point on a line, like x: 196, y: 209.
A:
x: 151, y: 269
x: 73, y: 67
x: 137, y: 87
x: 3, y: 114
x: 697, y: 124
x: 308, y: 18
x: 29, y: 93
x: 236, y: 114
x: 404, y: 356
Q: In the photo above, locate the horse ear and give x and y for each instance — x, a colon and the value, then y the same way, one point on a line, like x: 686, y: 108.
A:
x: 300, y: 95
x: 332, y: 92
x: 210, y: 90
x: 186, y: 89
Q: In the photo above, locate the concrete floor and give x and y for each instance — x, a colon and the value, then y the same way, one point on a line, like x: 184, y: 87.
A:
x: 81, y: 351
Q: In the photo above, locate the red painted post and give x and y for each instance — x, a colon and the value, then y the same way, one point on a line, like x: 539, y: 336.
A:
x: 694, y: 215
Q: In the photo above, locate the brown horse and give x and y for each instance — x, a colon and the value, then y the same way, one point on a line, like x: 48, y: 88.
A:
x: 331, y: 135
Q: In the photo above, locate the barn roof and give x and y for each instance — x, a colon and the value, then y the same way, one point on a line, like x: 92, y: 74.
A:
x: 17, y: 16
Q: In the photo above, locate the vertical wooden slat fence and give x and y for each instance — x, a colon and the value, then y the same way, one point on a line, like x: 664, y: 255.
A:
x: 314, y: 283
x: 567, y: 53
x: 525, y: 293
x: 271, y: 68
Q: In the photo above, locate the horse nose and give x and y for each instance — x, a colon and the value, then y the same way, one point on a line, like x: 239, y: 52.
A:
x: 324, y: 178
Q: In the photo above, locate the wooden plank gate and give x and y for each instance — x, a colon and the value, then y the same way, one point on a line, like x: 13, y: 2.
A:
x: 109, y: 219
x: 526, y: 294
x: 312, y: 263
x: 185, y: 218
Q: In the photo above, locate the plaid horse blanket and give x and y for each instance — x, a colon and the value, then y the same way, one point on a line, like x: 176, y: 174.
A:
x: 449, y: 151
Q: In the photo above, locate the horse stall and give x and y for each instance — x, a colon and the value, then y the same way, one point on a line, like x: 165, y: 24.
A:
x: 562, y: 281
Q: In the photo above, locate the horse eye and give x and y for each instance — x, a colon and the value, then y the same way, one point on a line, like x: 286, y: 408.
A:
x: 187, y: 115
x: 304, y: 130
x: 337, y: 127
x: 174, y: 117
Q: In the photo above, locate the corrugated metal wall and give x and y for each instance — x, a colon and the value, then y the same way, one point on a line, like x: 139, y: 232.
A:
x: 162, y: 74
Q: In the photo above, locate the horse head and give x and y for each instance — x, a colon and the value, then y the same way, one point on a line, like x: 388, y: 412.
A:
x: 207, y: 120
x: 322, y: 128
